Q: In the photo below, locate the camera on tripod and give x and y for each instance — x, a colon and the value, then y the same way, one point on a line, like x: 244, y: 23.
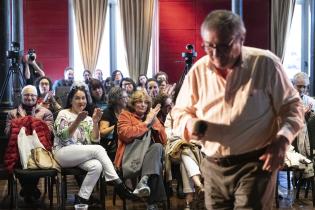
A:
x: 190, y: 55
x: 14, y: 53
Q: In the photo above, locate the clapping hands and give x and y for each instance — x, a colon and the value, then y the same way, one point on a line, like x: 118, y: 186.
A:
x: 97, y: 115
x: 152, y: 114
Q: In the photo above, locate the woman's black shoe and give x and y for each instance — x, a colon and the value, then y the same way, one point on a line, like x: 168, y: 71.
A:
x: 79, y: 200
x: 91, y: 202
x: 124, y: 192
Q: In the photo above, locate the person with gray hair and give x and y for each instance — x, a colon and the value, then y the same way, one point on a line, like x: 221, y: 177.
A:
x: 301, y: 83
x: 239, y: 103
x: 29, y: 107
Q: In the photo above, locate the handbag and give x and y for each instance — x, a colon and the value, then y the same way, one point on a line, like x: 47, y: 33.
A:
x: 134, y: 154
x: 42, y: 159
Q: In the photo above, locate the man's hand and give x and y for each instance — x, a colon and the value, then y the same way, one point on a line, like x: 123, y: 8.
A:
x: 274, y: 156
x: 196, y: 128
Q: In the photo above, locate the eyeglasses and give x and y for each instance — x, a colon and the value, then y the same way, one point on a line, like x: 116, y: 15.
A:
x: 29, y: 95
x: 220, y: 48
x: 126, y: 84
x: 302, y: 86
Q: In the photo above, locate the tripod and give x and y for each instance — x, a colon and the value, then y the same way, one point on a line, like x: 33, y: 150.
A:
x: 17, y: 83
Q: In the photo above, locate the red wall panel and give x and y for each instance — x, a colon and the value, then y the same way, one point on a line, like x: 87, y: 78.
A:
x: 46, y: 30
x: 180, y: 22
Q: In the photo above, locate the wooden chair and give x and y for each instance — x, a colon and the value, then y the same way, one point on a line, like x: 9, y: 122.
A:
x: 4, y: 175
x: 76, y: 171
x: 51, y: 178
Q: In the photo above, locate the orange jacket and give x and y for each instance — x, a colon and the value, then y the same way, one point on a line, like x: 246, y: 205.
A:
x: 130, y: 127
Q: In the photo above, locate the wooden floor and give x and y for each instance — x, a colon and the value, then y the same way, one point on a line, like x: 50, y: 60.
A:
x: 286, y: 202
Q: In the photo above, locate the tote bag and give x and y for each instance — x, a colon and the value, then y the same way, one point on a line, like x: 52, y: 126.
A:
x: 134, y: 155
x: 25, y: 144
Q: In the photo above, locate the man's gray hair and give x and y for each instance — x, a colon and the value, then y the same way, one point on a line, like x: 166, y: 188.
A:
x: 301, y: 76
x: 31, y: 87
x: 225, y: 22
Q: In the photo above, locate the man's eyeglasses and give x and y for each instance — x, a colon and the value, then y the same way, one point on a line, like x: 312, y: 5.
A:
x: 221, y: 48
x: 302, y: 86
x: 29, y: 95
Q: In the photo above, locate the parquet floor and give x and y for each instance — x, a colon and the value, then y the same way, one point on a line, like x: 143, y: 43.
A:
x: 286, y: 202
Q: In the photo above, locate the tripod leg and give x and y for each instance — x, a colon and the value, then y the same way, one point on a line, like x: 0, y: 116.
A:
x: 5, y: 84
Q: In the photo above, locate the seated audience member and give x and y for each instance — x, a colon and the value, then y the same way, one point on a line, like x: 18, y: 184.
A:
x: 117, y: 101
x: 142, y: 80
x: 67, y: 81
x: 108, y: 84
x: 98, y: 74
x: 152, y: 87
x: 86, y: 76
x: 161, y: 75
x: 75, y: 132
x: 166, y: 106
x: 97, y: 93
x: 189, y: 156
x: 31, y: 67
x: 301, y: 83
x: 46, y: 96
x: 129, y: 85
x: 29, y: 107
x: 163, y: 82
x: 134, y: 123
x: 162, y: 86
x: 117, y: 76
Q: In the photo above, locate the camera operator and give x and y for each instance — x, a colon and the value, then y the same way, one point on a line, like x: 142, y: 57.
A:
x: 32, y: 69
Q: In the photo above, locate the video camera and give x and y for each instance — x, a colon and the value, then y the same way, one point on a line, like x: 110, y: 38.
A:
x: 190, y: 55
x: 14, y: 53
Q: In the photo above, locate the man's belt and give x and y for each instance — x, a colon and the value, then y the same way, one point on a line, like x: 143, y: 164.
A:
x: 237, y: 159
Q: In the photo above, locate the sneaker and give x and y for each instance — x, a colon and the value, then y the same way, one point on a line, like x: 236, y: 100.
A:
x: 142, y: 190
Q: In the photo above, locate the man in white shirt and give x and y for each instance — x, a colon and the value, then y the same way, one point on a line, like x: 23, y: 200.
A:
x: 240, y: 104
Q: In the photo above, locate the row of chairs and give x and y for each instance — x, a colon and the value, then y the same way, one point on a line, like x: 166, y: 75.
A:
x: 52, y: 177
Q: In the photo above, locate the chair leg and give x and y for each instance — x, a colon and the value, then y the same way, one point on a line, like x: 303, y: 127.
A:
x: 57, y: 183
x: 51, y: 190
x: 277, y: 193
x: 313, y: 190
x: 289, y: 180
x: 11, y: 191
x: 63, y: 196
x: 15, y: 193
x: 307, y: 187
x: 102, y: 192
x: 114, y: 197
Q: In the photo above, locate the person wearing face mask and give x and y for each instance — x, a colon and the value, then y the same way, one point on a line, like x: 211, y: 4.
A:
x: 240, y: 105
x: 29, y: 107
x: 75, y: 132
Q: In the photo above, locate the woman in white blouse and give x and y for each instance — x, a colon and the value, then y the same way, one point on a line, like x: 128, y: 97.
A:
x: 75, y: 132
